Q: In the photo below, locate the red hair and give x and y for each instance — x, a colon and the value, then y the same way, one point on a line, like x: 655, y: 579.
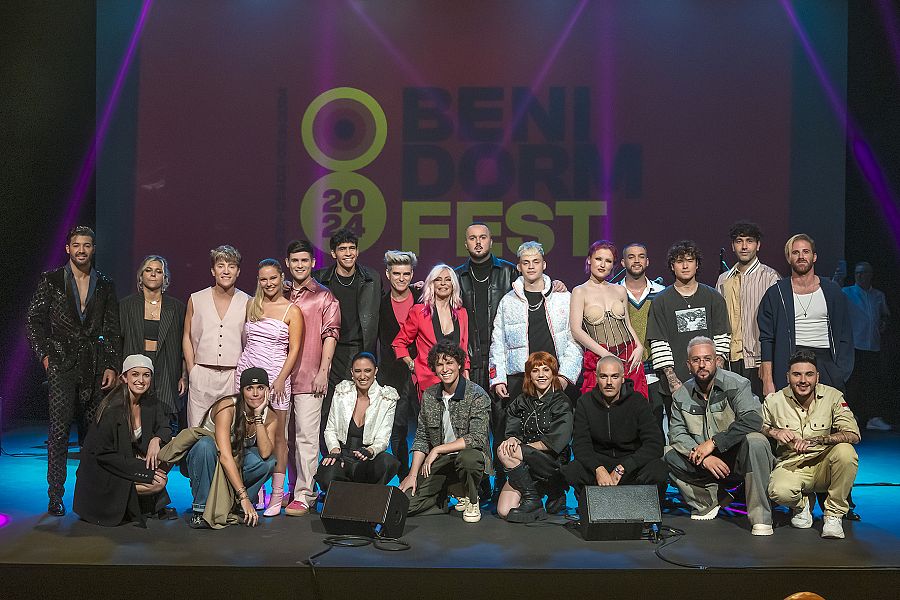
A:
x: 600, y: 245
x: 540, y: 359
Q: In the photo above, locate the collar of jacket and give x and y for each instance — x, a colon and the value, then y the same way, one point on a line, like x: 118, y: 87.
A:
x: 495, y: 264
x: 460, y: 391
x: 329, y: 273
x: 717, y: 382
x: 519, y: 287
x: 624, y: 394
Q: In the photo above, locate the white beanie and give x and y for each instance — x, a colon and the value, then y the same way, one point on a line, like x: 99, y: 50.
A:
x: 137, y: 360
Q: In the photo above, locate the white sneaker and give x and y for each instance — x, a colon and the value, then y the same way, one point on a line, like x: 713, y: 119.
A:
x: 472, y: 512
x: 802, y: 518
x: 833, y: 528
x: 878, y: 424
x: 762, y: 529
x: 462, y: 504
x: 707, y: 515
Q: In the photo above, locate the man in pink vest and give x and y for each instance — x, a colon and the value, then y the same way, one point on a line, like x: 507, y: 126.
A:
x: 212, y: 334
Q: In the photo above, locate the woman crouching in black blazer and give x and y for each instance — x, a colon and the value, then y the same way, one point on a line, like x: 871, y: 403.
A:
x: 119, y: 478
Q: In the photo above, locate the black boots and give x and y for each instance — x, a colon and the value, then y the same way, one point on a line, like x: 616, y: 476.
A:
x: 530, y: 508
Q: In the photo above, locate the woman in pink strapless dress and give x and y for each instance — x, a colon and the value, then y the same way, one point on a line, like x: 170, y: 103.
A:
x: 272, y: 337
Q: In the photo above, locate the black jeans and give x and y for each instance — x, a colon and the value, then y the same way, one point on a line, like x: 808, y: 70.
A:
x: 380, y: 470
x: 654, y: 472
x: 407, y: 412
x: 737, y: 366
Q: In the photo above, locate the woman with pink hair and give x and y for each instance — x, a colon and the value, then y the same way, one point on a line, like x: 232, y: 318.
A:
x: 598, y: 318
x: 439, y: 315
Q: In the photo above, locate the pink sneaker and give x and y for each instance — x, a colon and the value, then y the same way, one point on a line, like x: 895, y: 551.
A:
x: 297, y: 509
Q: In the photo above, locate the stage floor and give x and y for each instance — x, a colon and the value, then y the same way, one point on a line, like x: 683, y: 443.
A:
x: 549, y: 557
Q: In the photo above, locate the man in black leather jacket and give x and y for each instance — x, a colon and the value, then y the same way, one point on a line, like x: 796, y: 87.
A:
x: 358, y: 291
x: 484, y: 280
x: 73, y: 327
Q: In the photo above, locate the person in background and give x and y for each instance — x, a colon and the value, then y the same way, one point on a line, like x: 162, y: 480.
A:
x: 869, y: 315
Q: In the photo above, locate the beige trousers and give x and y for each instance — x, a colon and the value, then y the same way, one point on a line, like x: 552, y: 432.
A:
x: 832, y: 471
x: 205, y: 386
x: 307, y: 418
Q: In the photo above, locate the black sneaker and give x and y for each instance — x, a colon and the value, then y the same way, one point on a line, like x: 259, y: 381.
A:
x: 198, y: 522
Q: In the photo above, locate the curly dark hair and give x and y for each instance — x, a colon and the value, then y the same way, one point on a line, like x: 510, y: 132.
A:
x: 684, y: 249
x: 449, y: 350
x: 745, y: 229
x: 343, y: 236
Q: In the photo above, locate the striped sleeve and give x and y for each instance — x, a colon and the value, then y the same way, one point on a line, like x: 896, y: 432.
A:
x: 661, y: 354
x: 723, y: 344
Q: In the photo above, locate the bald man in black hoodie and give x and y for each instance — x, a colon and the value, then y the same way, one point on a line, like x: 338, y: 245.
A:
x: 616, y: 439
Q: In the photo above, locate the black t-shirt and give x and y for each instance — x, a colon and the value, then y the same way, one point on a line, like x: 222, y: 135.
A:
x: 539, y: 337
x: 346, y: 290
x: 481, y: 325
x: 678, y: 320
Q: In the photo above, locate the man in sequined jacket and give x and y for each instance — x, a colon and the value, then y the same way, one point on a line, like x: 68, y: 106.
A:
x: 73, y: 328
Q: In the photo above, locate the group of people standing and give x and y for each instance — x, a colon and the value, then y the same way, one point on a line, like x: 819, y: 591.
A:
x: 503, y: 370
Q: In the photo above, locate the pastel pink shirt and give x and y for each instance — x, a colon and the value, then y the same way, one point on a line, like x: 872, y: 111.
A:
x: 321, y: 320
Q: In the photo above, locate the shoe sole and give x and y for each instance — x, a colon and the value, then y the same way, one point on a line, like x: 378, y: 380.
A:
x: 762, y: 532
x: 708, y: 516
x: 471, y: 519
x: 832, y: 536
x: 530, y: 517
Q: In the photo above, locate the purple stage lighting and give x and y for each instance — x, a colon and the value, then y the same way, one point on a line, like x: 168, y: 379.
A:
x: 21, y: 352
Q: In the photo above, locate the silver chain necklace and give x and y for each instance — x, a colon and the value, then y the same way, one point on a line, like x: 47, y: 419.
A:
x: 475, y: 278
x: 805, y: 308
x: 348, y: 284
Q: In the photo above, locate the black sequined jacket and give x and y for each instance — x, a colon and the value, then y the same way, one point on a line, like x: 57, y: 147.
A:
x: 55, y: 329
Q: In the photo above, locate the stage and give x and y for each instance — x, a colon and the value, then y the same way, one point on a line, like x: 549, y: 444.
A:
x: 42, y: 556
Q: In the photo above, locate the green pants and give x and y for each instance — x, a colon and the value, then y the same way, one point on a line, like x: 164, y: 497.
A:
x: 460, y: 473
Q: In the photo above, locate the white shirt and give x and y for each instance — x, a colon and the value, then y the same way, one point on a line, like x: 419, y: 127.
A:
x: 811, y: 320
x: 868, y: 309
x: 449, y: 436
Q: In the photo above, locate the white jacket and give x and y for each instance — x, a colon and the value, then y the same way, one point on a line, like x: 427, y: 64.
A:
x: 509, y: 341
x: 379, y: 416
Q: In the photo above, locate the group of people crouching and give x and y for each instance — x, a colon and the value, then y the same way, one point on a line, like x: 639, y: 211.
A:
x: 795, y: 444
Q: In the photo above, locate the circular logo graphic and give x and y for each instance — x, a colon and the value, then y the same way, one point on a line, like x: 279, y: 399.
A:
x: 340, y: 200
x: 344, y: 129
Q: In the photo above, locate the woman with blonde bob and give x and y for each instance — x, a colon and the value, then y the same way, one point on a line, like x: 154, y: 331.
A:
x: 538, y: 430
x: 272, y: 337
x: 439, y: 316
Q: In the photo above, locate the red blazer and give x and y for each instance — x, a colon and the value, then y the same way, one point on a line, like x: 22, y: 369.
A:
x: 418, y: 329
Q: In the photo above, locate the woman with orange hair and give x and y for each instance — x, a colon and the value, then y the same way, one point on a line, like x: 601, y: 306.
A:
x: 538, y: 432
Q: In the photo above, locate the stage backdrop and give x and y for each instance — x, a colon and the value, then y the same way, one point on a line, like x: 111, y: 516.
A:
x: 254, y: 123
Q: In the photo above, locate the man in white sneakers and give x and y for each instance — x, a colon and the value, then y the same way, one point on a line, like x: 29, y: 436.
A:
x: 815, y: 432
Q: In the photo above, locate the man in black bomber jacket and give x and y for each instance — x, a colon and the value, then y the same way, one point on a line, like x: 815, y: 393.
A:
x: 616, y: 439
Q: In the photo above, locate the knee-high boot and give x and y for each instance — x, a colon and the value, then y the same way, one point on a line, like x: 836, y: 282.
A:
x: 530, y: 508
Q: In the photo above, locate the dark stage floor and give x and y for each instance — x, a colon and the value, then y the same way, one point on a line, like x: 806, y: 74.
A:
x: 67, y: 557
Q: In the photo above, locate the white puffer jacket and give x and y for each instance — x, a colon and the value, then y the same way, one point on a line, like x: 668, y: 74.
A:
x: 509, y: 342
